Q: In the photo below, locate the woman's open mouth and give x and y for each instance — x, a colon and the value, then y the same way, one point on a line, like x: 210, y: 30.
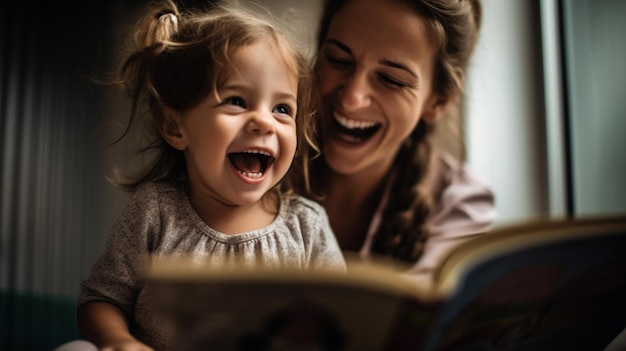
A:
x: 354, y: 131
x: 251, y: 163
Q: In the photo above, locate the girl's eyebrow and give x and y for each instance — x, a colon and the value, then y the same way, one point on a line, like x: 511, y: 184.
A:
x: 280, y: 95
x: 392, y: 64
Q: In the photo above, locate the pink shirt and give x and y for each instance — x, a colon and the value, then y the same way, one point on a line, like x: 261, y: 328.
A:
x: 463, y: 206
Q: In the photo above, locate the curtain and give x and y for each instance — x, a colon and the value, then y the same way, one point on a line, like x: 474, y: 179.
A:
x: 51, y: 180
x: 54, y: 204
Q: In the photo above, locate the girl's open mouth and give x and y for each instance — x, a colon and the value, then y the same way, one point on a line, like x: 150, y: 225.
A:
x: 251, y: 163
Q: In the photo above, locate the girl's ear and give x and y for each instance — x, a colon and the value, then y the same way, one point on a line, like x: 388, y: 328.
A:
x: 171, y: 130
x: 435, y: 107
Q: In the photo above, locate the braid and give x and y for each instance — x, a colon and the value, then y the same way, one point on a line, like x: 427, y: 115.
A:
x: 403, y: 230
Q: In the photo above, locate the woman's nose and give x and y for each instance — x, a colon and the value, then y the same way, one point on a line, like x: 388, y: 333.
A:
x: 356, y: 92
x: 261, y: 123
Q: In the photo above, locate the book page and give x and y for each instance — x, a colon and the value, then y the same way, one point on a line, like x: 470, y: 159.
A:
x: 557, y: 286
x: 369, y: 308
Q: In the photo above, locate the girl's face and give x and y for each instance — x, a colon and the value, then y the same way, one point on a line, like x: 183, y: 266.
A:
x: 375, y: 74
x: 240, y: 142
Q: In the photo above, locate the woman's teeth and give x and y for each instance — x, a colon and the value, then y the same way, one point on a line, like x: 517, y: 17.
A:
x: 354, y: 131
x: 354, y: 124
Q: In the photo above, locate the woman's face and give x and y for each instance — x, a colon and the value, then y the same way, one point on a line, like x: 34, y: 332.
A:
x: 375, y: 75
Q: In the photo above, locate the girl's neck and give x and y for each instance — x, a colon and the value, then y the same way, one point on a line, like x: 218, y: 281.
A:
x: 233, y: 220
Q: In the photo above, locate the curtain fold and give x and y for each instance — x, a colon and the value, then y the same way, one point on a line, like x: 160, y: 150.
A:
x: 51, y: 178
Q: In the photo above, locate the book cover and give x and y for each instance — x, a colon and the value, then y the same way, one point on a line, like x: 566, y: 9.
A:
x: 549, y: 285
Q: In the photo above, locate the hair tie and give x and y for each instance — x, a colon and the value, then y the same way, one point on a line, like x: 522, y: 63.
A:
x: 171, y: 16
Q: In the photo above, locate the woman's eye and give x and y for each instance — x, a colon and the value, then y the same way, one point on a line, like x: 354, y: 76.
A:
x: 283, y: 109
x: 391, y: 82
x: 338, y: 62
x: 236, y: 101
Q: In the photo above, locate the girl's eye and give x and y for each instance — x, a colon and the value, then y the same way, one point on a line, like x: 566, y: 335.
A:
x: 283, y: 109
x: 236, y: 101
x: 391, y: 82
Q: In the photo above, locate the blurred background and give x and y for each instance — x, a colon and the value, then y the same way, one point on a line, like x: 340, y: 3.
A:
x: 542, y: 121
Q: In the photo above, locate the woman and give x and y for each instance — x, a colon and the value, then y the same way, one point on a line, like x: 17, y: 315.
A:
x: 387, y: 70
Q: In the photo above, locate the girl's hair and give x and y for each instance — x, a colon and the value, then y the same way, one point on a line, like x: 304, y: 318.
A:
x: 176, y: 61
x: 454, y: 25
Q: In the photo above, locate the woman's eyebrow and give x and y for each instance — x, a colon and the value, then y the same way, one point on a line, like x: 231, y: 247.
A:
x: 340, y: 45
x: 398, y: 65
x: 393, y: 64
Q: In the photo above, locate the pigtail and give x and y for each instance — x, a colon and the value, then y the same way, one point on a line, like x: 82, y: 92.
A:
x: 154, y: 34
x: 158, y: 26
x: 137, y: 76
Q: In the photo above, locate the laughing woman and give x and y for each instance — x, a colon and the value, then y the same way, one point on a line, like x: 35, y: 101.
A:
x: 387, y: 70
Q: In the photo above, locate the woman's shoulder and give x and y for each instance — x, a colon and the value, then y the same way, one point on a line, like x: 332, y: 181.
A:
x: 449, y: 172
x: 461, y: 200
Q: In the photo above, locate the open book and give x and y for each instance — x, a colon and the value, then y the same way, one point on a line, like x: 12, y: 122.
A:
x: 550, y: 285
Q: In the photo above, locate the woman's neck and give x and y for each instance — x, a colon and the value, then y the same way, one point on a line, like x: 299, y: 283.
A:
x: 351, y: 189
x: 351, y: 201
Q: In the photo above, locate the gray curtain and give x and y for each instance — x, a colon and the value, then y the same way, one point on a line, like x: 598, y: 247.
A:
x: 51, y: 152
x: 56, y: 206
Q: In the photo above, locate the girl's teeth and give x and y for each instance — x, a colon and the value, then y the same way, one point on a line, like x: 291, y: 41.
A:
x: 251, y: 174
x: 256, y: 152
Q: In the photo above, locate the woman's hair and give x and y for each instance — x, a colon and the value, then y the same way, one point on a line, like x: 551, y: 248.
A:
x: 177, y: 59
x: 454, y: 25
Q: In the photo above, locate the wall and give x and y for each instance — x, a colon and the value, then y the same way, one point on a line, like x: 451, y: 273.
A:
x: 505, y: 134
x: 596, y: 83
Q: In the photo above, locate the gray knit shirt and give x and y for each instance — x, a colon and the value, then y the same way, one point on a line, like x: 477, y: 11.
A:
x: 159, y: 220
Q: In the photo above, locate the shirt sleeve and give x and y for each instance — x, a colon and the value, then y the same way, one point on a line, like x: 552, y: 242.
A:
x: 464, y: 207
x: 325, y: 253
x: 115, y: 275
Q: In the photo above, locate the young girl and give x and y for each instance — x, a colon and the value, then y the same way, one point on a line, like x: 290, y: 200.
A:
x: 229, y: 100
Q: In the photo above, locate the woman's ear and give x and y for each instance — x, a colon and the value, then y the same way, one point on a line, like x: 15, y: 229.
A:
x: 170, y: 127
x: 435, y: 107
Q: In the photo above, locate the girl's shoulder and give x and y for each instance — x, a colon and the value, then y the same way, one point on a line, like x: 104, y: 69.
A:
x: 159, y: 187
x: 160, y: 192
x: 300, y: 206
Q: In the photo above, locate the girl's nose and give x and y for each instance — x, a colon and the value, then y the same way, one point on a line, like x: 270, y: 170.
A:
x: 261, y: 123
x: 356, y: 93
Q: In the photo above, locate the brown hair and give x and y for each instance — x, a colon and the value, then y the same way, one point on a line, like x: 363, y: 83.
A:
x: 176, y: 60
x: 455, y: 25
